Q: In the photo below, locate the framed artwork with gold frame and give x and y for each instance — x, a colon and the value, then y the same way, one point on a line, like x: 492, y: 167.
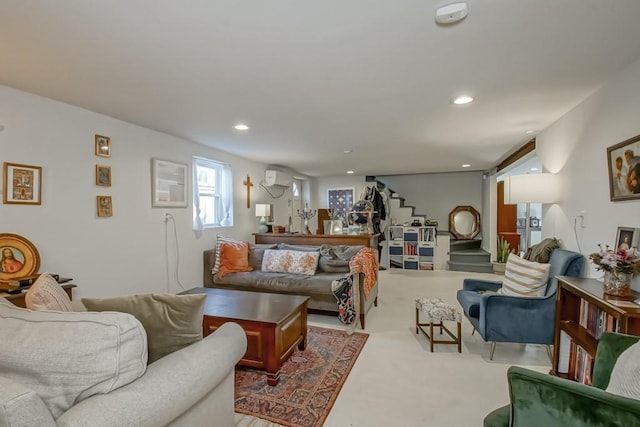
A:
x: 105, y: 206
x: 103, y: 146
x: 18, y: 257
x: 103, y: 175
x: 22, y: 184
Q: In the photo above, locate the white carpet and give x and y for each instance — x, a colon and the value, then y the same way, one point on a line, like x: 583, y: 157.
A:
x: 398, y: 381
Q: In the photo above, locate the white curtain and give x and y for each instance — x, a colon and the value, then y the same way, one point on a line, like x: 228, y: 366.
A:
x: 198, y: 227
x: 225, y: 215
x: 224, y: 195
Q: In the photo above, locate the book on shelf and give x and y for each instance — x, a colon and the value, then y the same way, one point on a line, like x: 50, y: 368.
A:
x: 9, y: 284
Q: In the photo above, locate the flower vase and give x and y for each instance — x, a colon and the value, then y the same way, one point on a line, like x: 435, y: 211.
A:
x: 618, y: 284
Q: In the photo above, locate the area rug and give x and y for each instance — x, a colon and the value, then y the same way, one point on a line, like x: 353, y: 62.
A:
x: 310, y: 380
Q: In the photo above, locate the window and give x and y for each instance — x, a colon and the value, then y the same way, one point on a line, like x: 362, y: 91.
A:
x: 212, y: 194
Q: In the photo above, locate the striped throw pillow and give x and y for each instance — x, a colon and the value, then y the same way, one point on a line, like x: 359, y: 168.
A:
x: 219, y: 241
x: 524, y: 278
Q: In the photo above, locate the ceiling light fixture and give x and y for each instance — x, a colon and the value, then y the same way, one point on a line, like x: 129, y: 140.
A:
x: 241, y: 126
x: 464, y: 99
x: 450, y: 13
x: 347, y: 151
x: 350, y: 172
x: 534, y: 169
x: 529, y: 132
x: 466, y: 165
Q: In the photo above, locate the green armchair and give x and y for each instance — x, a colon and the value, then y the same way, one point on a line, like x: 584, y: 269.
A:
x: 539, y: 399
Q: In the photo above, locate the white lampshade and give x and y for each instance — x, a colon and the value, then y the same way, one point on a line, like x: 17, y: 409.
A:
x: 531, y: 188
x: 263, y: 210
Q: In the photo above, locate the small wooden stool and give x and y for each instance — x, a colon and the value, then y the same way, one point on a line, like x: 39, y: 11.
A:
x: 436, y: 311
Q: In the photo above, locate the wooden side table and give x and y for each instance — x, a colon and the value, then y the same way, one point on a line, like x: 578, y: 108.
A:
x: 18, y: 299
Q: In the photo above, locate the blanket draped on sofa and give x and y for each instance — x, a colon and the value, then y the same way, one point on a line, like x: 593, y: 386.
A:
x: 348, y: 297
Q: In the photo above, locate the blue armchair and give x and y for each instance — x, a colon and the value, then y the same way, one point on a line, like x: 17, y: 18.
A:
x: 501, y: 318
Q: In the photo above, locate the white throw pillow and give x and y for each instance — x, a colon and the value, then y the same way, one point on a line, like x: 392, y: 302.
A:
x: 68, y: 357
x: 524, y: 278
x: 295, y: 262
x: 47, y: 294
x: 625, y: 376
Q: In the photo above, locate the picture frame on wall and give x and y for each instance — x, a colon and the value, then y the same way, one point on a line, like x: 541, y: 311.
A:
x: 104, y: 205
x: 103, y: 146
x: 627, y: 238
x: 169, y: 184
x: 341, y: 200
x: 623, y: 160
x: 20, y: 257
x: 103, y: 175
x: 22, y: 184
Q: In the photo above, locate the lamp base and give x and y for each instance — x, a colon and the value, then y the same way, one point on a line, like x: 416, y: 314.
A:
x: 262, y: 228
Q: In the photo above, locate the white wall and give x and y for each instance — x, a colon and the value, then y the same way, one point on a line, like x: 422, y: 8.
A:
x: 437, y: 194
x: 124, y: 253
x: 575, y: 148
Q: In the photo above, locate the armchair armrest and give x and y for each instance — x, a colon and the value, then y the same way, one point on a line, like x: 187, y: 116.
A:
x: 542, y: 400
x: 506, y: 318
x: 610, y: 347
x: 480, y: 285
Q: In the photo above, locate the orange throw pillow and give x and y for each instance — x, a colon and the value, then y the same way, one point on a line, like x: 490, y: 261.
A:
x: 234, y: 258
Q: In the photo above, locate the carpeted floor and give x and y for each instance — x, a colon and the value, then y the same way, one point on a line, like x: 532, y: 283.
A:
x: 310, y: 380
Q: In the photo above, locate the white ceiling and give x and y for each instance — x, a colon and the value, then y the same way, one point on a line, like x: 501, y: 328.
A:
x: 315, y: 78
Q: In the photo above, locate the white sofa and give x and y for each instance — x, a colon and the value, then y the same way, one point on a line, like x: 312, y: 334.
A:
x: 193, y: 386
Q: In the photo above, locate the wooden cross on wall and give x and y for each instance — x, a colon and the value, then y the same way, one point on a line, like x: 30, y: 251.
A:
x: 249, y: 184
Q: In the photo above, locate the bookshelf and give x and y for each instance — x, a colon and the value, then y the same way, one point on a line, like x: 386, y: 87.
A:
x: 583, y: 313
x: 412, y: 248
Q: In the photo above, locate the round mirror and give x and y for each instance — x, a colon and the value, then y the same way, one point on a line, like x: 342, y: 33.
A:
x: 464, y: 222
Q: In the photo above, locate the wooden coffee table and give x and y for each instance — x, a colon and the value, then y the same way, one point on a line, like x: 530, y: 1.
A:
x: 275, y: 324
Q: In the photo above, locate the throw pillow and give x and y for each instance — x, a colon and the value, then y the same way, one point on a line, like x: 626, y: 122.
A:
x: 256, y: 253
x: 47, y: 294
x: 234, y: 258
x: 524, y: 278
x: 295, y: 262
x: 171, y: 321
x: 219, y: 241
x: 542, y: 251
x: 68, y: 357
x: 625, y: 376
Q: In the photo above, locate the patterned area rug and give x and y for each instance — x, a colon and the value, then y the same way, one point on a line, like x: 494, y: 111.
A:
x: 309, y: 381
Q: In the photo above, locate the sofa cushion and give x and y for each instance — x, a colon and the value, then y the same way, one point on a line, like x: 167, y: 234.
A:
x: 256, y: 253
x: 22, y: 407
x: 470, y: 302
x: 47, y: 294
x: 68, y: 357
x: 219, y: 240
x: 524, y: 278
x: 171, y: 321
x: 625, y: 376
x: 295, y: 262
x: 234, y: 258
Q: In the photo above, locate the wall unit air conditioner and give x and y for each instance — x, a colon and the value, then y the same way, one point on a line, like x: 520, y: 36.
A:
x: 273, y: 178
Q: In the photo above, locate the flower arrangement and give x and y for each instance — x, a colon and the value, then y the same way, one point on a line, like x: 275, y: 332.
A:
x: 625, y: 261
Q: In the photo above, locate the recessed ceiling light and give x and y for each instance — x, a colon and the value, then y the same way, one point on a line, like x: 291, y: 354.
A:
x: 534, y: 169
x: 466, y: 165
x: 529, y: 132
x: 241, y: 126
x: 347, y: 151
x: 464, y: 99
x: 349, y: 172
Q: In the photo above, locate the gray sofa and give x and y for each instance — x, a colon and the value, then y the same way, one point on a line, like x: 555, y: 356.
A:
x: 189, y: 387
x: 333, y: 265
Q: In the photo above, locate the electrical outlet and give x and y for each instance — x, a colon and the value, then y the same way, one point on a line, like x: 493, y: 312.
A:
x: 582, y: 217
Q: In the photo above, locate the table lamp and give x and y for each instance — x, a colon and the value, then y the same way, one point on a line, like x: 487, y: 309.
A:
x: 263, y: 211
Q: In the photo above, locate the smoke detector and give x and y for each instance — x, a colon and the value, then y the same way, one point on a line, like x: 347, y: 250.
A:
x: 450, y: 13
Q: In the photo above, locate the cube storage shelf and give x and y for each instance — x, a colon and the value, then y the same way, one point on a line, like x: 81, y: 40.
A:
x: 412, y: 248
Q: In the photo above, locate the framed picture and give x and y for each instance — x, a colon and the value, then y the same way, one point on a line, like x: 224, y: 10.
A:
x: 168, y: 184
x: 105, y: 207
x: 624, y: 170
x: 22, y: 184
x: 340, y: 200
x: 19, y: 257
x: 627, y: 237
x: 103, y: 175
x: 103, y: 146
